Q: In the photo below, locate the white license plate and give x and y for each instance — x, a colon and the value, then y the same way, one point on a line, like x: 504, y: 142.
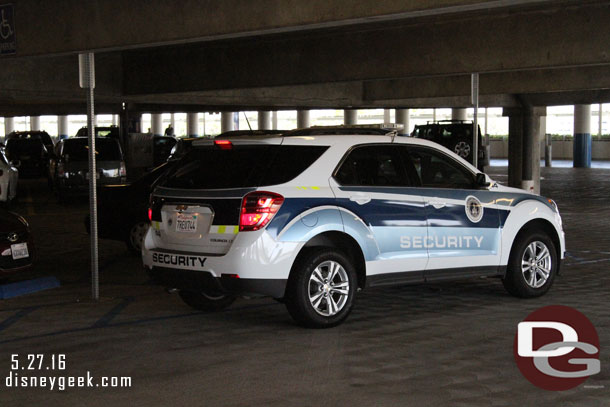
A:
x: 186, y: 222
x: 20, y: 251
x: 97, y: 175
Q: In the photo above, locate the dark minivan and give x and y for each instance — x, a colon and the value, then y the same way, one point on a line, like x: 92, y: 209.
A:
x: 69, y: 167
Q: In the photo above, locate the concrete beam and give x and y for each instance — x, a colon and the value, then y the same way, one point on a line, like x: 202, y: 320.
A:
x: 569, y: 37
x: 68, y: 25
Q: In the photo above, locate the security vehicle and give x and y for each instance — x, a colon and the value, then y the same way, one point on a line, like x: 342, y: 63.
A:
x: 312, y: 216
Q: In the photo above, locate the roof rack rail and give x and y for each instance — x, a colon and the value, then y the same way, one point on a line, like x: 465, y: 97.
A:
x: 458, y: 121
x: 385, y: 129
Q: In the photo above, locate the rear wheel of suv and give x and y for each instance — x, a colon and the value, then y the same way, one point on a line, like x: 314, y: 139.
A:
x: 321, y: 289
x: 532, y: 265
x: 206, y: 301
x: 463, y: 148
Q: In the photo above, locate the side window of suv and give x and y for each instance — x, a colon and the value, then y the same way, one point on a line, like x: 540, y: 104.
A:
x: 374, y: 165
x: 436, y: 170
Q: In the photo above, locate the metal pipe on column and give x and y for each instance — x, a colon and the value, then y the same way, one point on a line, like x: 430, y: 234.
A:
x: 87, y: 80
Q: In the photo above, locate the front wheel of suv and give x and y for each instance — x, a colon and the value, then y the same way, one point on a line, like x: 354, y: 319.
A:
x: 321, y: 289
x: 206, y: 301
x: 532, y: 265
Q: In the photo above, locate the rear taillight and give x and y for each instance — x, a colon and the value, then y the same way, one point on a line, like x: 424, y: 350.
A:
x: 150, y: 214
x: 223, y: 144
x: 257, y: 210
x: 122, y: 170
x: 60, y: 170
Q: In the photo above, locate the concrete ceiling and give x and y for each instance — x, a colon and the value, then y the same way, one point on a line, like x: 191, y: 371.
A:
x: 235, y: 55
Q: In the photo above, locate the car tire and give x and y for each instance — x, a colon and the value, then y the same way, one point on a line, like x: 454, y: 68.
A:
x: 532, y: 265
x: 135, y: 237
x: 206, y: 301
x: 464, y: 148
x: 316, y: 299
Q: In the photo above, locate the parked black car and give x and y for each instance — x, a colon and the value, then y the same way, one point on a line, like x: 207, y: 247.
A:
x: 16, y: 244
x: 31, y: 149
x: 123, y: 209
x: 456, y: 135
x: 69, y: 166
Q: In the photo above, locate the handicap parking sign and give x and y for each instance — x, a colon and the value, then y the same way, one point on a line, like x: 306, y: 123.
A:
x: 8, y: 42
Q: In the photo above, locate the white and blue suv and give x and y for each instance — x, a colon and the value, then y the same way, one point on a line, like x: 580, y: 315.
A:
x: 313, y: 216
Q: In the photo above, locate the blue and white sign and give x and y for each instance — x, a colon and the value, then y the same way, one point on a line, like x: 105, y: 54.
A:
x: 8, y: 42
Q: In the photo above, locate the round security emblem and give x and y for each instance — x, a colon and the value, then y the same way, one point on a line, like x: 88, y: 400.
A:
x: 474, y: 209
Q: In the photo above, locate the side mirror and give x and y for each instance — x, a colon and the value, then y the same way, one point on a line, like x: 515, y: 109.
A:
x: 481, y: 180
x: 16, y: 163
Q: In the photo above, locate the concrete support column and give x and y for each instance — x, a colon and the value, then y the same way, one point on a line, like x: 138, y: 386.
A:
x: 515, y: 146
x: 192, y: 124
x: 274, y: 120
x: 226, y: 122
x: 459, y: 113
x: 386, y: 116
x: 172, y: 120
x: 264, y: 120
x: 9, y: 125
x: 115, y: 119
x: 350, y: 117
x: 62, y: 127
x: 600, y: 117
x: 582, y: 136
x: 524, y: 147
x: 402, y: 117
x: 302, y: 119
x: 35, y: 123
x: 156, y: 124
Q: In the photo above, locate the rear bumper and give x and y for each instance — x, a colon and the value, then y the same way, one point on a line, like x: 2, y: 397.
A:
x: 190, y: 280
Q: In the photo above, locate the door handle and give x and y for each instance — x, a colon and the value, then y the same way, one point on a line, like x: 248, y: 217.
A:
x: 437, y: 204
x: 360, y: 199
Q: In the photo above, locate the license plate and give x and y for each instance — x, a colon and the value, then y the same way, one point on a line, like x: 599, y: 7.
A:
x: 97, y: 176
x: 186, y: 222
x: 20, y: 251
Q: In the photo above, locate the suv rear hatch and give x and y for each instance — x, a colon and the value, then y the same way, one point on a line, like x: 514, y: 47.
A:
x: 197, y: 206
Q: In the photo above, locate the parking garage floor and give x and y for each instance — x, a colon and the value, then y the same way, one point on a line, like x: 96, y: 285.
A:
x: 440, y: 344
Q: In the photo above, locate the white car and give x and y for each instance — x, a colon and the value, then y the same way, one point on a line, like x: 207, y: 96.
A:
x: 315, y: 215
x: 9, y: 177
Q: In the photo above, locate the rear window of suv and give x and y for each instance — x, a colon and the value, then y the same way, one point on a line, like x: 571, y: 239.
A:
x: 242, y: 166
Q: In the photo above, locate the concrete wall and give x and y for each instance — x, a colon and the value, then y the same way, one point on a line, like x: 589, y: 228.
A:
x: 562, y: 149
